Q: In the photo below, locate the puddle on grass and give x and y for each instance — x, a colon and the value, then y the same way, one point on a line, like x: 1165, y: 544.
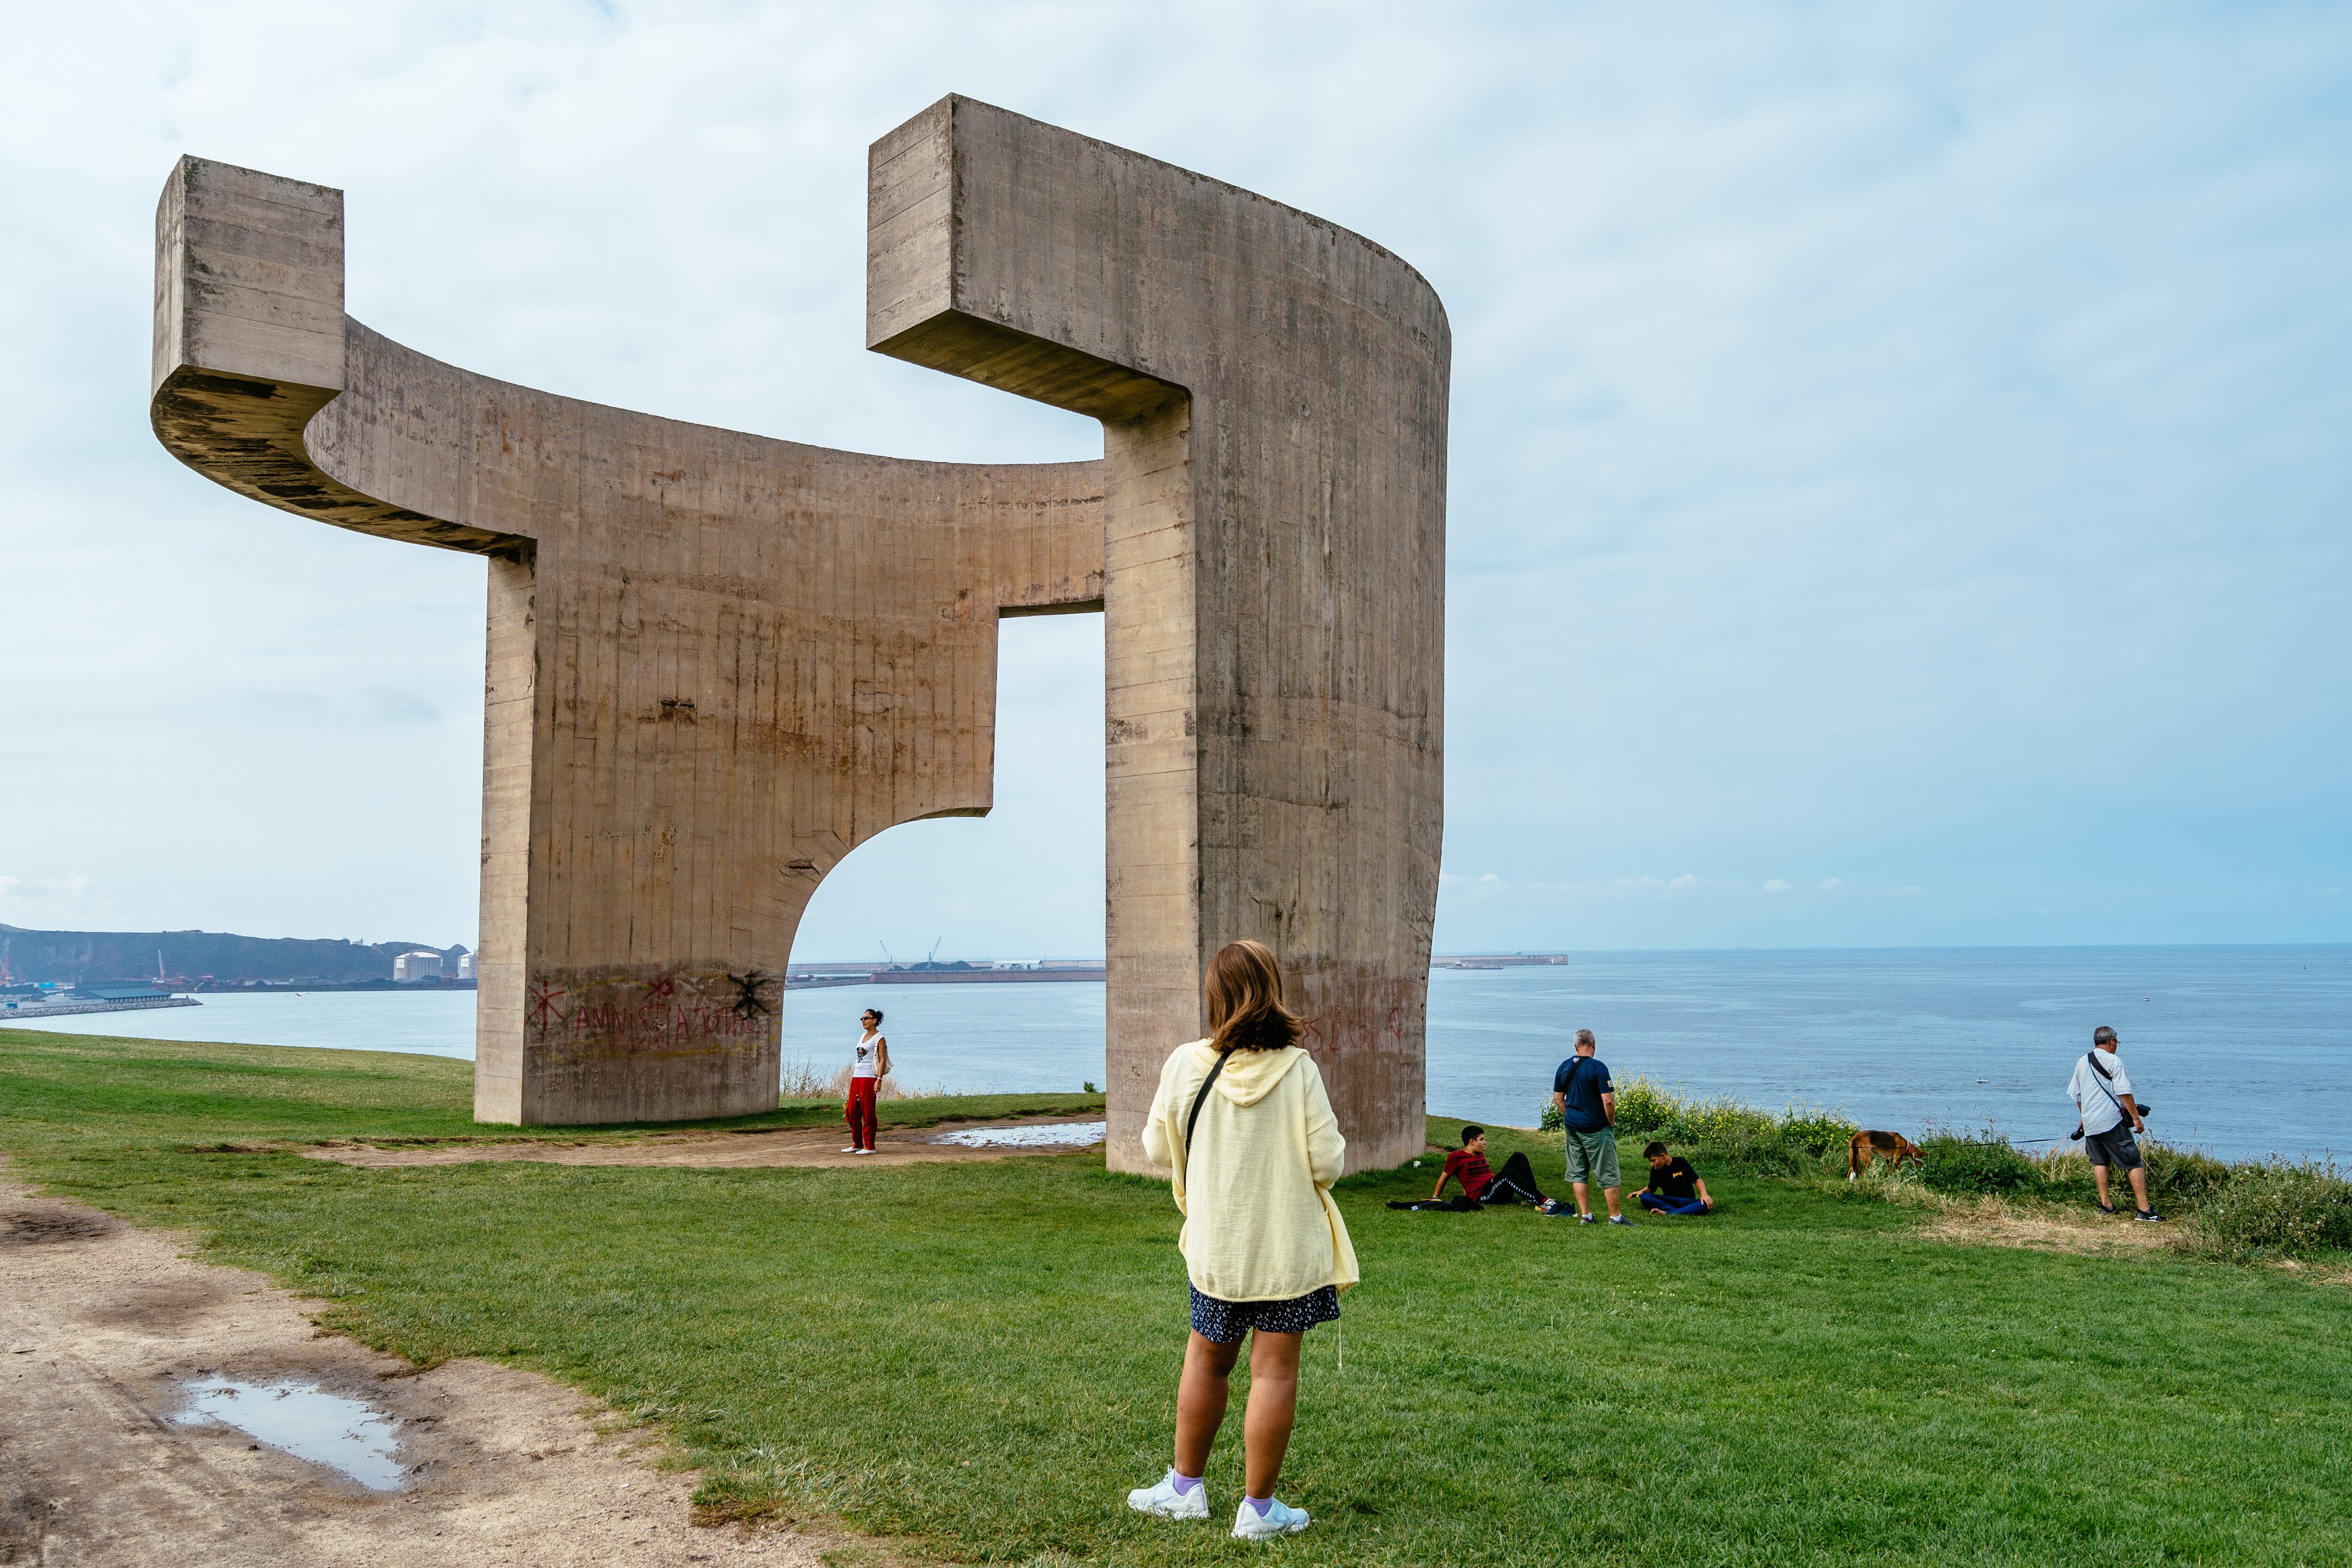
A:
x: 1075, y: 1134
x: 309, y: 1423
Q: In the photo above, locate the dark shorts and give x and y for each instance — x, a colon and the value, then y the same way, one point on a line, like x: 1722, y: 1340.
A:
x: 1226, y: 1321
x: 2115, y: 1146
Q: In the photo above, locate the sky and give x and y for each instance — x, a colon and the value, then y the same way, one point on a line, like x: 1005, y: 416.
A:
x: 1900, y: 472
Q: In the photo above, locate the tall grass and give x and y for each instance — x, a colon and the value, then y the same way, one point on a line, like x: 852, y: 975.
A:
x: 2248, y: 1211
x: 2273, y: 1209
x: 806, y: 1080
x: 1727, y: 1131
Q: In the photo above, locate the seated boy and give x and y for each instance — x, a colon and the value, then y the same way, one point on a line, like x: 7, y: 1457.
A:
x: 1675, y: 1188
x: 1515, y: 1184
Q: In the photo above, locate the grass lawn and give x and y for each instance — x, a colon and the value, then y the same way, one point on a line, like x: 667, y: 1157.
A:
x: 981, y: 1357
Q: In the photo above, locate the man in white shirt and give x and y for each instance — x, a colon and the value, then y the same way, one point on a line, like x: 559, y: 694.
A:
x: 2102, y: 1091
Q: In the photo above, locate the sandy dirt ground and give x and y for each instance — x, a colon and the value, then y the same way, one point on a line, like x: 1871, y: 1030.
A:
x: 101, y: 1325
x: 797, y: 1146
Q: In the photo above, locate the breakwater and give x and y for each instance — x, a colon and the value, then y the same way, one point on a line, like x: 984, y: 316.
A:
x: 24, y: 1012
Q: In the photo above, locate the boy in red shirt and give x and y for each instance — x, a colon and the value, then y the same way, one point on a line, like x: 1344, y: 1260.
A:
x: 1515, y: 1184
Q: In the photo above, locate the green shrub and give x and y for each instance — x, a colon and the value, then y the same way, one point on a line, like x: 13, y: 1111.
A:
x: 1550, y: 1118
x: 1644, y: 1107
x: 1975, y: 1163
x: 1723, y: 1132
x: 1818, y: 1132
x: 2182, y: 1180
x: 2273, y: 1210
x: 1723, y: 1123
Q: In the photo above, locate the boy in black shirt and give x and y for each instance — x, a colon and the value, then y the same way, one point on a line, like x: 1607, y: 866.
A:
x: 1675, y: 1188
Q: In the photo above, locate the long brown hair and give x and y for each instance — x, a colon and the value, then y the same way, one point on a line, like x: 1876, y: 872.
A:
x: 1244, y: 991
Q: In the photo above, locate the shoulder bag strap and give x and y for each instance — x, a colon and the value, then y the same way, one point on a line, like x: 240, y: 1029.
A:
x: 1199, y: 1099
x: 2102, y: 1080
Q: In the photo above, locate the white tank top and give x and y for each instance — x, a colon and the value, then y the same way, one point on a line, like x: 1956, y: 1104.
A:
x: 863, y: 1063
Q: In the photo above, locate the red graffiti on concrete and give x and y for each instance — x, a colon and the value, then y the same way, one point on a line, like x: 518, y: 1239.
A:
x: 663, y: 1013
x: 1352, y: 1028
x: 542, y: 1006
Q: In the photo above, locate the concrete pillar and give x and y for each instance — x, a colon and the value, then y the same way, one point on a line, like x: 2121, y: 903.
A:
x: 1272, y: 393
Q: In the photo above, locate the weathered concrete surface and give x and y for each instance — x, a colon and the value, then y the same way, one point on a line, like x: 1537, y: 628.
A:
x: 717, y: 663
x: 1273, y: 391
x: 101, y: 1326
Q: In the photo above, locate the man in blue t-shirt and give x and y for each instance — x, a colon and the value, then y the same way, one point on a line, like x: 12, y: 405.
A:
x: 1588, y: 1107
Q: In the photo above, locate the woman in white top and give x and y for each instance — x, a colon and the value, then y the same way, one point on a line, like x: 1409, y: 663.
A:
x: 869, y: 1064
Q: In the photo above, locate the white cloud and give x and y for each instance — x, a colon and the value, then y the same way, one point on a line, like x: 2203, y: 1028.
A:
x: 1490, y: 877
x: 1776, y: 886
x: 1687, y: 879
x: 1903, y: 893
x: 1830, y: 885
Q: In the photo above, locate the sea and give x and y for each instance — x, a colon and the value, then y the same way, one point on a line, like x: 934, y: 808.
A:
x: 2243, y: 1052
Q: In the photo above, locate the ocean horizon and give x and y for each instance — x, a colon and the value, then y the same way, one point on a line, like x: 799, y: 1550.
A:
x: 2243, y: 1051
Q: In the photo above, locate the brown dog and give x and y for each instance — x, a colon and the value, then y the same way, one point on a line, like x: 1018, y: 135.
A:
x: 1869, y: 1146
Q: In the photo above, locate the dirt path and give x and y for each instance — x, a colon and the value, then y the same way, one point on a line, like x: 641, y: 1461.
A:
x: 101, y: 1325
x: 796, y: 1146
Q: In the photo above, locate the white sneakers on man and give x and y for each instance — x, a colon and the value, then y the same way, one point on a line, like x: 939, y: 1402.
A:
x: 1165, y: 1501
x: 1279, y: 1519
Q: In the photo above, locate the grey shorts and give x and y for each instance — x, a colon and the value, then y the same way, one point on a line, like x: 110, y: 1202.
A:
x: 1593, y: 1157
x: 2115, y: 1146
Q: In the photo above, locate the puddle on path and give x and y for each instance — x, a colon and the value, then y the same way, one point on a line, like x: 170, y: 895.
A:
x: 309, y: 1423
x: 1077, y: 1133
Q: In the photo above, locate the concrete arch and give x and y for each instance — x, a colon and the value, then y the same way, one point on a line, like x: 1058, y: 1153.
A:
x: 716, y: 662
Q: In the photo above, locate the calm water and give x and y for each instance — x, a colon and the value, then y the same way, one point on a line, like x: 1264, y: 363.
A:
x: 2243, y: 1051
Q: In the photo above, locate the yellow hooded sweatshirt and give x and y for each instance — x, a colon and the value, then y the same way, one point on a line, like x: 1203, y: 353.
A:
x: 1259, y: 1222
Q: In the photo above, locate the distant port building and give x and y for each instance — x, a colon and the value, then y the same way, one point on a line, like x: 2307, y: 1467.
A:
x: 410, y: 967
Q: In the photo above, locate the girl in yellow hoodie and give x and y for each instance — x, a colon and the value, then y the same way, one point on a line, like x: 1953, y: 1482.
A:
x: 1242, y: 1120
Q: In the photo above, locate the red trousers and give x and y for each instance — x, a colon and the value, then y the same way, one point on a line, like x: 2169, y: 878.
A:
x: 860, y: 1113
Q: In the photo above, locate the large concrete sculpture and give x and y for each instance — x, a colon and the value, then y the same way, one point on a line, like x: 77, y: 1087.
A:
x: 719, y: 662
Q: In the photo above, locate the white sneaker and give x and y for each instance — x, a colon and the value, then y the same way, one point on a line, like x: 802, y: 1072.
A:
x: 861, y: 1150
x: 1280, y: 1518
x: 1165, y: 1501
x: 851, y: 1149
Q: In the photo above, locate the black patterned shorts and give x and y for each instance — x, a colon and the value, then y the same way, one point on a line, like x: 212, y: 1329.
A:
x: 1226, y: 1321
